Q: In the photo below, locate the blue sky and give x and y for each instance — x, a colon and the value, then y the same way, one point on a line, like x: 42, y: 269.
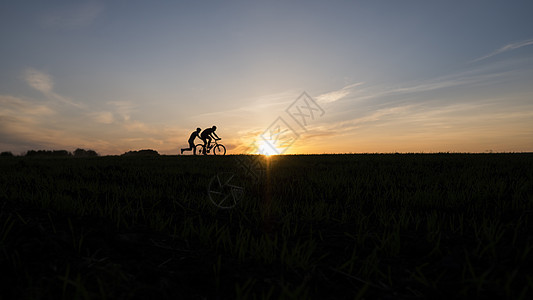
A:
x: 406, y: 76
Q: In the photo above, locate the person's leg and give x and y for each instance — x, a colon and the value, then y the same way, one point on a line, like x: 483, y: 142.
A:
x: 205, y: 145
x: 192, y: 147
x: 208, y: 144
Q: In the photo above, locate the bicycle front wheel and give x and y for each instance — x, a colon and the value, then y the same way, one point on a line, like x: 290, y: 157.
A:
x: 219, y: 150
x: 199, y: 149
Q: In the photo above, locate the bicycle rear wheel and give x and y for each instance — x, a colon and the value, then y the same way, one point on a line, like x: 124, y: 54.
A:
x: 219, y: 150
x: 199, y: 149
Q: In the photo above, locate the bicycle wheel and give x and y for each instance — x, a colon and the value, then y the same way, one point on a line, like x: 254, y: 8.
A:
x: 199, y: 149
x: 219, y: 150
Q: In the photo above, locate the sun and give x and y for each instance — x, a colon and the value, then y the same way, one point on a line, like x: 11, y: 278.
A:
x: 266, y: 149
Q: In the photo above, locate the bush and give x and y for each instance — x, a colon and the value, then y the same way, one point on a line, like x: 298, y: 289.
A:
x: 6, y: 153
x: 84, y: 153
x: 144, y: 152
x: 56, y: 153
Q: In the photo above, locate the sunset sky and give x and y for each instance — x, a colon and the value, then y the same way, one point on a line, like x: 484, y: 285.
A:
x: 389, y: 76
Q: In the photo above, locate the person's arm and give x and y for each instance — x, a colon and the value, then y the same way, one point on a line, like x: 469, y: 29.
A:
x: 216, y: 135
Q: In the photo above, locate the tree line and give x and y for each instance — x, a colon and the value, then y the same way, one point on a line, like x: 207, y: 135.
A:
x: 55, y: 153
x: 78, y: 153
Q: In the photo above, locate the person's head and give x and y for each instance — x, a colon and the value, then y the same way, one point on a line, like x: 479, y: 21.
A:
x: 198, y: 129
x: 214, y: 127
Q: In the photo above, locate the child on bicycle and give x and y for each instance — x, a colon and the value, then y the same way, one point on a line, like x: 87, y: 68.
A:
x: 206, y: 136
x: 194, y: 134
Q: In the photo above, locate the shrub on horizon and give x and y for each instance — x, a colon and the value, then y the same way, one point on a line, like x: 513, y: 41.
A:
x: 144, y: 152
x: 84, y: 153
x: 57, y: 153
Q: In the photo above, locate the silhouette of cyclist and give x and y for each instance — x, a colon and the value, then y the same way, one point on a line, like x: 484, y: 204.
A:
x: 207, y: 135
x: 194, y: 134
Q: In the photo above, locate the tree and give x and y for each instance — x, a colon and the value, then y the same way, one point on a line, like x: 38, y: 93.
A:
x: 144, y: 152
x: 59, y: 153
x: 84, y: 153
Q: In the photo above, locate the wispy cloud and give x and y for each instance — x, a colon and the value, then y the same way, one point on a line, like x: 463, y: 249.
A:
x: 39, y: 80
x: 338, y: 94
x: 454, y: 80
x: 13, y: 106
x: 267, y: 103
x: 506, y: 48
x: 486, y: 75
x: 123, y: 109
x: 104, y: 117
x: 373, y: 117
x: 44, y: 83
x: 74, y: 16
x: 21, y: 121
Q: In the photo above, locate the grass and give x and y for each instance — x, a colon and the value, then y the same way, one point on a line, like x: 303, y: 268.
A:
x: 317, y: 226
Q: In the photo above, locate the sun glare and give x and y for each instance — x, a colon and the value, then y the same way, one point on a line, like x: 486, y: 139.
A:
x: 266, y: 149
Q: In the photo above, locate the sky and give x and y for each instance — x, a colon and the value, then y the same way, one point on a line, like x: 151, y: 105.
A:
x: 323, y: 76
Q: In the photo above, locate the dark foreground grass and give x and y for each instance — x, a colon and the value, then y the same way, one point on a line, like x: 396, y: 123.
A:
x: 325, y: 227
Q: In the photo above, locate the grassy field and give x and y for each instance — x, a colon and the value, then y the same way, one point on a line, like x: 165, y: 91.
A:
x: 316, y: 226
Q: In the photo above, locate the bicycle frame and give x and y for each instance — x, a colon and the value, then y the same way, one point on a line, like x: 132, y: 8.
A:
x: 213, y: 144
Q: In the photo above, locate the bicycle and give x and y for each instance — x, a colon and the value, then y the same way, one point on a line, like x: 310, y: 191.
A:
x: 218, y: 149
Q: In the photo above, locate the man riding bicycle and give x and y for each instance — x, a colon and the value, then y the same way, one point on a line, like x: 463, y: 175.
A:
x: 206, y: 136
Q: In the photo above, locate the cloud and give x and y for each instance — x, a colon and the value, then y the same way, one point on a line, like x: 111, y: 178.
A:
x: 275, y: 103
x: 104, y: 117
x: 123, y: 108
x: 16, y: 107
x: 140, y: 127
x: 481, y: 120
x: 455, y: 80
x: 74, y: 16
x: 44, y: 83
x: 337, y: 95
x: 374, y: 117
x: 373, y: 95
x: 39, y: 80
x: 509, y: 47
x: 22, y: 122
